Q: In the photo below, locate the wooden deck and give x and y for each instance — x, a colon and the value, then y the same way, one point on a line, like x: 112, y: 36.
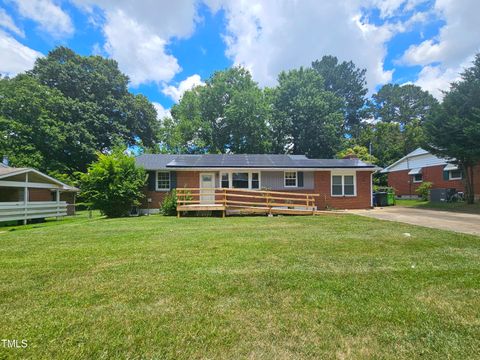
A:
x: 242, y: 201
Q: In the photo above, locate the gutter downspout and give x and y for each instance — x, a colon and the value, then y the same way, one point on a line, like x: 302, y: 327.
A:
x: 409, y: 180
x: 25, y: 200
x: 371, y: 189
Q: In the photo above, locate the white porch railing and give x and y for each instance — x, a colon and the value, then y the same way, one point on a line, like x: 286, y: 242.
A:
x: 31, y: 210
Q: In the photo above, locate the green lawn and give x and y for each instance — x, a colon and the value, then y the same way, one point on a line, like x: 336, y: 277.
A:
x: 332, y: 286
x: 456, y: 207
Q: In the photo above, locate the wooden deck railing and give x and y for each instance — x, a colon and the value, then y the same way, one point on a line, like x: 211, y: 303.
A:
x: 191, y: 199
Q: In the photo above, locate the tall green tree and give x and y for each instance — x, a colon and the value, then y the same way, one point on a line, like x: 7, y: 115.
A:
x: 454, y: 128
x: 385, y: 141
x: 98, y: 82
x: 348, y: 82
x: 307, y: 119
x: 41, y: 128
x: 228, y: 114
x: 403, y: 104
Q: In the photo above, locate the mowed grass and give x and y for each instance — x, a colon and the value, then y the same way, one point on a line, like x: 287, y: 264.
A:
x: 331, y: 286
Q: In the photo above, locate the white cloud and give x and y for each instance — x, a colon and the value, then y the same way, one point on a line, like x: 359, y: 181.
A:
x: 437, y: 78
x: 446, y: 55
x: 434, y: 80
x: 161, y: 111
x: 7, y: 23
x: 457, y: 40
x: 48, y: 15
x: 163, y: 17
x: 268, y: 36
x: 176, y: 92
x: 140, y: 53
x: 387, y: 7
x: 137, y: 34
x: 16, y: 57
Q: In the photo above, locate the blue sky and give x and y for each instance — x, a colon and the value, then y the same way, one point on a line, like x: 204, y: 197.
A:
x: 167, y: 47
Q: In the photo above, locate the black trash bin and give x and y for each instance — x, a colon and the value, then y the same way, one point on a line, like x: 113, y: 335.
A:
x: 382, y: 198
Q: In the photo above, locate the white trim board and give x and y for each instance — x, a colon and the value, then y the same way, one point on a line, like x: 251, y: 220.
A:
x: 266, y: 169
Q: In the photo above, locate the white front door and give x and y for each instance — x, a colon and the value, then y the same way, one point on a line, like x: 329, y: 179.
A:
x: 207, y: 188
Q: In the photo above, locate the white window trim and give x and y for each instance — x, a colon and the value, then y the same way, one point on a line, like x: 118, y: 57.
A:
x: 417, y: 181
x: 230, y: 179
x: 454, y: 178
x: 169, y: 180
x: 343, y: 174
x: 285, y: 179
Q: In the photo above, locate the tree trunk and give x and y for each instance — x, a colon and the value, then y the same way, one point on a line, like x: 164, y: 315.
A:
x: 469, y: 193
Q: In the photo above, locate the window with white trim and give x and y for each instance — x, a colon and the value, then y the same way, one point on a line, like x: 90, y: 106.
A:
x: 240, y: 180
x: 417, y: 178
x: 343, y: 185
x: 255, y: 181
x: 163, y: 180
x: 455, y: 175
x: 290, y: 178
x: 224, y: 180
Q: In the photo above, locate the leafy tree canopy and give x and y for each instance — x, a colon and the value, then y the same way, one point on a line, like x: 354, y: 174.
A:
x: 41, y: 128
x: 361, y: 152
x: 228, y: 114
x: 58, y: 115
x: 308, y: 119
x: 385, y: 140
x: 348, y: 82
x: 453, y: 130
x: 399, y: 114
x: 98, y: 82
x: 403, y: 104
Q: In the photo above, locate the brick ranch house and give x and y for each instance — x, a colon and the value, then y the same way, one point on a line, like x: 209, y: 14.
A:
x: 408, y: 173
x: 336, y: 183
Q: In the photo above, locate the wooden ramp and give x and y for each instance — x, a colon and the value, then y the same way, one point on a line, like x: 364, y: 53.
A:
x: 242, y: 201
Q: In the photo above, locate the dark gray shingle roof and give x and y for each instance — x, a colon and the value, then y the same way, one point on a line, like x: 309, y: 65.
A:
x: 157, y: 161
x: 162, y: 161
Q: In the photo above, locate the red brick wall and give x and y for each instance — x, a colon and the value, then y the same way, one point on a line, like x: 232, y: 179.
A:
x: 401, y: 182
x: 476, y: 181
x: 363, y: 200
x: 10, y: 194
x: 322, y: 190
x: 40, y: 195
x: 404, y: 185
x: 190, y: 179
x: 156, y: 199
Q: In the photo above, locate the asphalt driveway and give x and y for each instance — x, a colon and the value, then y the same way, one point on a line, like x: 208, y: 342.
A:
x: 445, y: 220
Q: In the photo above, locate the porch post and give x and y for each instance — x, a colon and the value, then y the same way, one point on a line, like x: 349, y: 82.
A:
x: 25, y: 200
x: 57, y: 198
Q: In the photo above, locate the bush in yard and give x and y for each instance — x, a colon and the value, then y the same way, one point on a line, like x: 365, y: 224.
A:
x: 169, y: 204
x: 113, y: 184
x: 423, y: 190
